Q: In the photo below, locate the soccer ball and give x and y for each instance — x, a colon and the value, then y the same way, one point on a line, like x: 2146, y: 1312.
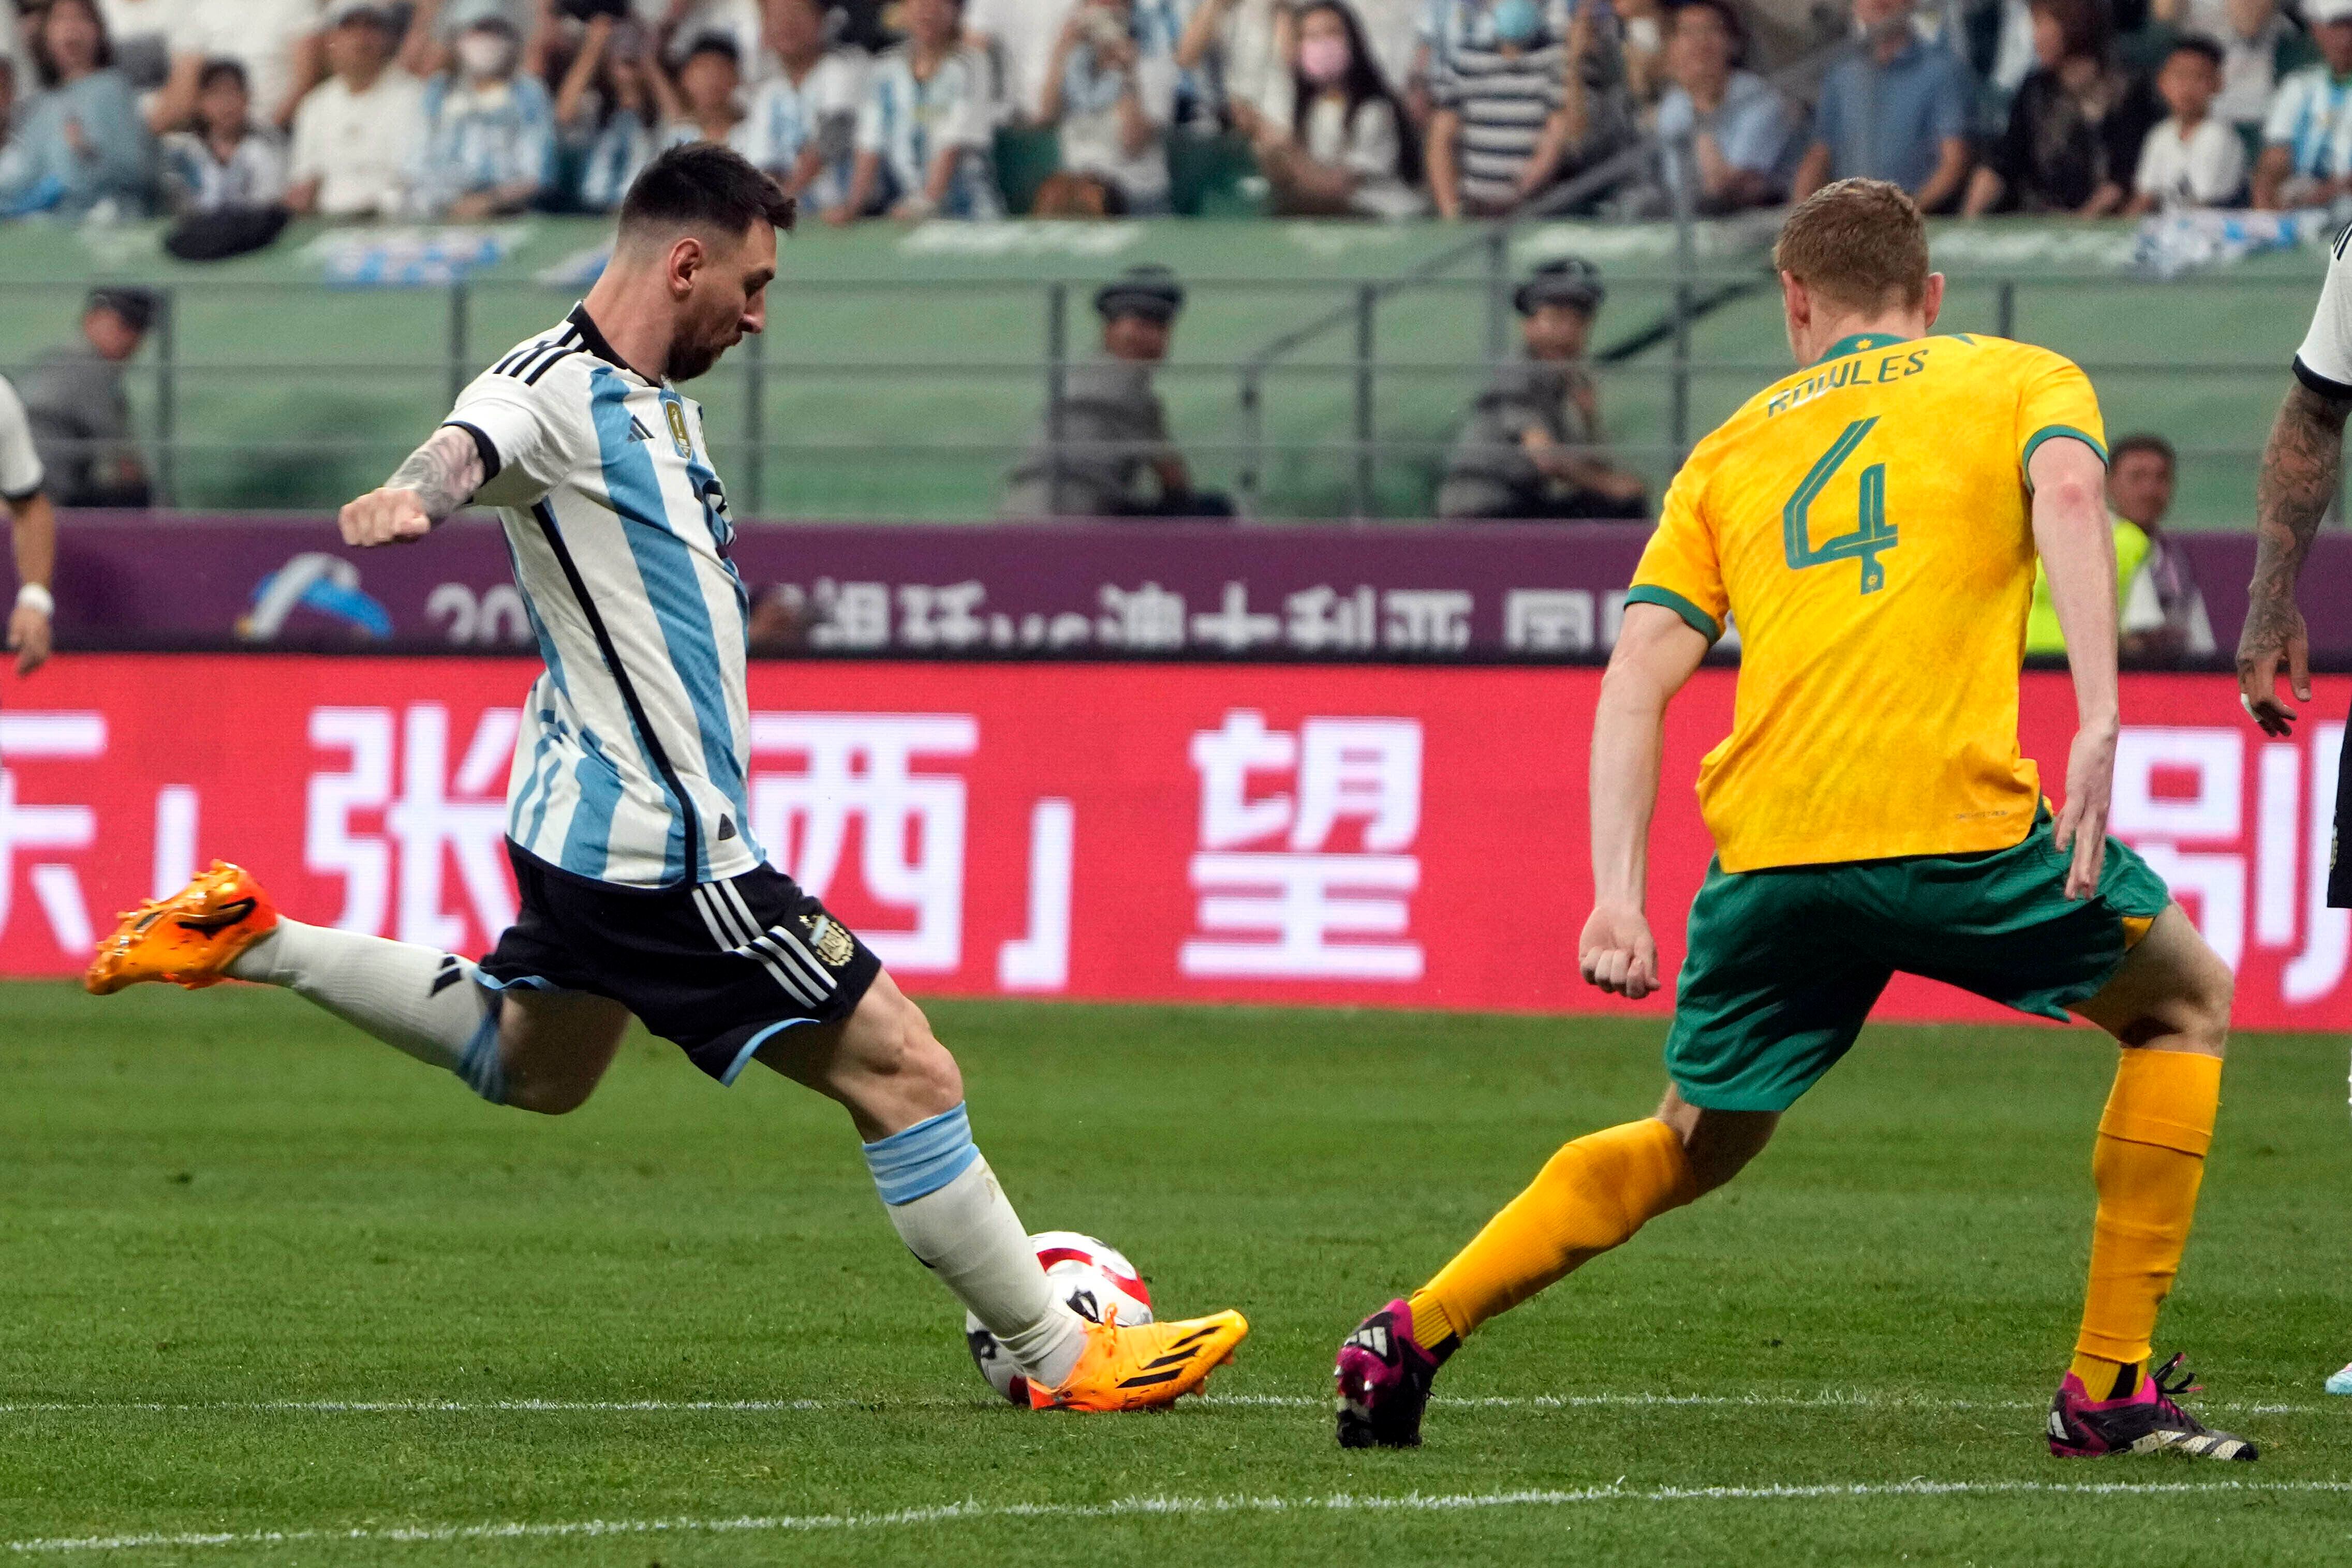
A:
x: 1088, y: 1277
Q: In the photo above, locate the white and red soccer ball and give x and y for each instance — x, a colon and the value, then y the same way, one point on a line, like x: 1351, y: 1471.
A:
x: 1090, y: 1276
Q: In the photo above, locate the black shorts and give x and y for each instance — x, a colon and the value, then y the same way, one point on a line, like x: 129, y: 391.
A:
x: 715, y: 970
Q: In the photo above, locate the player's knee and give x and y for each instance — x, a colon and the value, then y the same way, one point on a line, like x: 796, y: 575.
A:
x: 2195, y: 1013
x: 548, y: 1097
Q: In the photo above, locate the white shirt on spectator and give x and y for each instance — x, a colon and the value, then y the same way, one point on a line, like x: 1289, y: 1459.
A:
x: 2249, y: 66
x: 259, y: 35
x: 252, y: 175
x: 1091, y: 139
x: 1024, y: 32
x: 2311, y: 116
x: 786, y: 115
x: 908, y: 123
x: 2205, y: 167
x: 360, y: 147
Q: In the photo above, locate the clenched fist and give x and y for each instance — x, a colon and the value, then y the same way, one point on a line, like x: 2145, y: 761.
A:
x: 386, y: 516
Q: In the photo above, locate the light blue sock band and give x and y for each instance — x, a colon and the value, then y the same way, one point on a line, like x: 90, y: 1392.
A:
x: 924, y: 1158
x: 482, y: 1068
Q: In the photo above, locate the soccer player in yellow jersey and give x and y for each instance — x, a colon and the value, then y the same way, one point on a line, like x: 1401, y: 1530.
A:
x: 1871, y: 524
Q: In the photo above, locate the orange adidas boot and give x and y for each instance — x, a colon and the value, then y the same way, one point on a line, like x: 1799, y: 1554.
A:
x: 1141, y: 1367
x: 187, y: 939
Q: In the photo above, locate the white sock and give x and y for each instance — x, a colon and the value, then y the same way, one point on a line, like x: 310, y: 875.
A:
x: 945, y: 1202
x: 426, y: 1002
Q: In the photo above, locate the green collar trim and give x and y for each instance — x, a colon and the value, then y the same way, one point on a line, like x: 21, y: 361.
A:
x: 1859, y: 343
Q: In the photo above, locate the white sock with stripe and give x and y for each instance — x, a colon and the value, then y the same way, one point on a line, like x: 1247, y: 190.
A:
x: 945, y: 1202
x: 419, y: 999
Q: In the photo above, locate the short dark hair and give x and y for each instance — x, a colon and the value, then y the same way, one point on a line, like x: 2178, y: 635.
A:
x: 1734, y: 27
x: 704, y: 185
x: 2198, y: 43
x: 715, y: 44
x: 2143, y: 441
x: 216, y: 70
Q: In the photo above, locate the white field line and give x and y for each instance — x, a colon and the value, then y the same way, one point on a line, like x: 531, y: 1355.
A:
x: 1150, y: 1507
x: 1832, y: 1399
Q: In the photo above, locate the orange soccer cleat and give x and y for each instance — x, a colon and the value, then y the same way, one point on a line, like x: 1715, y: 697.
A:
x: 187, y: 939
x: 1144, y: 1366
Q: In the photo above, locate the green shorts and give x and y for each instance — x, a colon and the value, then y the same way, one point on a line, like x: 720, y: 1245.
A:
x: 1786, y: 964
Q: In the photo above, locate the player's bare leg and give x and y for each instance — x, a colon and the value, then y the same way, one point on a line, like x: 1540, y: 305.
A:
x: 904, y: 1094
x: 535, y: 1050
x: 1592, y: 1196
x: 2169, y: 1007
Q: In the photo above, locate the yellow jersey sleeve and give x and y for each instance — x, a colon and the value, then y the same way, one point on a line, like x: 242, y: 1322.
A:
x: 2054, y: 398
x: 1680, y: 569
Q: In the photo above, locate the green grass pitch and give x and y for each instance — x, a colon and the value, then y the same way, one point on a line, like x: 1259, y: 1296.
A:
x: 259, y: 1276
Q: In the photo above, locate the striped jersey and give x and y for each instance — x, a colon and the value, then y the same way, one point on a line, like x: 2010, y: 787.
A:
x: 908, y: 120
x: 479, y: 138
x: 2311, y: 117
x: 1504, y: 96
x: 631, y: 764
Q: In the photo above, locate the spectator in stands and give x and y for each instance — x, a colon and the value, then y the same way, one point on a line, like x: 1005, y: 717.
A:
x: 2251, y: 33
x: 2075, y: 127
x: 923, y: 131
x: 1344, y: 148
x: 489, y: 130
x: 226, y: 161
x: 2164, y: 620
x: 1018, y: 36
x: 276, y: 42
x: 1645, y: 29
x: 804, y: 119
x: 357, y: 134
x: 1533, y: 446
x: 611, y: 79
x: 84, y: 148
x: 2306, y: 158
x: 1112, y: 93
x: 1105, y: 450
x: 1522, y: 92
x: 1239, y: 50
x: 2194, y: 159
x: 1743, y: 137
x: 684, y: 24
x: 705, y: 104
x: 80, y: 413
x: 1898, y: 109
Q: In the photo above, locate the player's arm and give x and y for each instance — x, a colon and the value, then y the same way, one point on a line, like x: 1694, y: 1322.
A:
x: 1657, y: 650
x: 439, y: 477
x: 2078, y: 550
x: 2292, y: 492
x: 34, y: 524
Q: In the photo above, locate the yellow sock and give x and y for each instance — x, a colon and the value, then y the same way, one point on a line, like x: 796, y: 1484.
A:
x: 2148, y: 1162
x: 1591, y: 1196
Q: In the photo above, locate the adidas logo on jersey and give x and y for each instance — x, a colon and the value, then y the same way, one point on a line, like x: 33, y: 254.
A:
x: 637, y: 431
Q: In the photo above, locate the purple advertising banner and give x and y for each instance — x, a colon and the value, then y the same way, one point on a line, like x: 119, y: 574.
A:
x: 1463, y: 591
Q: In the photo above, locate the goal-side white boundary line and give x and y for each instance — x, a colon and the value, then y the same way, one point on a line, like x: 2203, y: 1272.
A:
x: 1833, y: 1400
x: 1337, y: 1502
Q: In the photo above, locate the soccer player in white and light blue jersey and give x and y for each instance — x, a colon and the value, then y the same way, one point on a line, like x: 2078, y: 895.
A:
x: 642, y: 892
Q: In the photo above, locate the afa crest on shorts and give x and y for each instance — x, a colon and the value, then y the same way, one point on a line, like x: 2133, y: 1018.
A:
x: 828, y: 940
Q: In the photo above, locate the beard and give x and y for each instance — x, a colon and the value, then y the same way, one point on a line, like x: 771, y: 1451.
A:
x: 694, y: 357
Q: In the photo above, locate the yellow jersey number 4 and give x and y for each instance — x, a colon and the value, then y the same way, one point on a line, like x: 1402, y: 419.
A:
x: 1872, y: 533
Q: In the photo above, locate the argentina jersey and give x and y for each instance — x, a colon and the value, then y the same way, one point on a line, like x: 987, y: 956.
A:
x: 630, y: 768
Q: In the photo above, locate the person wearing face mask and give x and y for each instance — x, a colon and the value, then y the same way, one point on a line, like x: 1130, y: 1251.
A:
x: 1533, y: 446
x: 1344, y: 149
x: 490, y: 139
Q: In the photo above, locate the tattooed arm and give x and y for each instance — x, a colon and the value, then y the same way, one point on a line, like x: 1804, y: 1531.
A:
x: 438, y: 477
x: 2296, y: 484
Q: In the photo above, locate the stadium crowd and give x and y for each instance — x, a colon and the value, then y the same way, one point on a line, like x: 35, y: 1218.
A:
x: 469, y: 109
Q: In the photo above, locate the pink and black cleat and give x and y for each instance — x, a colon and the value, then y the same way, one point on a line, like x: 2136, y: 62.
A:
x: 2145, y: 1421
x: 1384, y: 1378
